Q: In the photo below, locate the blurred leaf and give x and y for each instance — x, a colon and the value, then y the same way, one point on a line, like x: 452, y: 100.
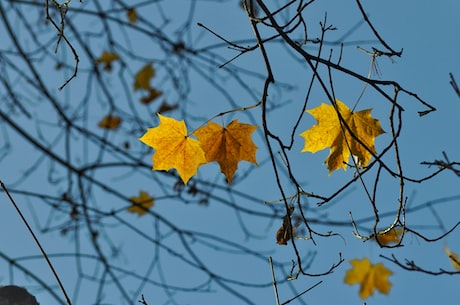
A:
x: 153, y: 95
x: 392, y: 236
x: 141, y: 204
x: 369, y: 276
x: 453, y: 258
x: 107, y: 58
x: 110, y: 122
x: 143, y: 76
x: 165, y: 107
x: 132, y: 15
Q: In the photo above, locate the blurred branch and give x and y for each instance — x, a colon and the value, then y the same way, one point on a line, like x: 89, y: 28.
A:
x: 454, y: 85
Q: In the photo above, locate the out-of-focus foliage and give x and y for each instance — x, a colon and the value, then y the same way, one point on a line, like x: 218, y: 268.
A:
x: 141, y: 204
x: 369, y: 277
x: 110, y: 122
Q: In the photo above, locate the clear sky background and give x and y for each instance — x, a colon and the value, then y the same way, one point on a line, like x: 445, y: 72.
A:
x: 428, y: 34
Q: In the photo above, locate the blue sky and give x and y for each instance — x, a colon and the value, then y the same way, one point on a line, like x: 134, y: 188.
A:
x: 426, y: 32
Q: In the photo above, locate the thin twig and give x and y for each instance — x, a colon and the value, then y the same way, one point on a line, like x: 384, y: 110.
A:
x: 454, y: 84
x: 274, y: 281
x: 392, y: 52
x: 45, y: 256
x: 142, y: 300
x: 302, y: 293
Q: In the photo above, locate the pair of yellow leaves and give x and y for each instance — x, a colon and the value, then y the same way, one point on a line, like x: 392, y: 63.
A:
x: 175, y: 148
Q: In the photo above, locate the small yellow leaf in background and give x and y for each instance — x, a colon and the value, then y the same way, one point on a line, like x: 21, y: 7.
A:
x: 228, y: 145
x: 141, y: 204
x: 165, y: 107
x: 107, y: 58
x: 454, y: 259
x: 328, y: 132
x: 392, y: 236
x: 132, y: 15
x: 369, y: 276
x: 110, y: 122
x: 153, y: 95
x: 143, y: 76
x: 174, y: 148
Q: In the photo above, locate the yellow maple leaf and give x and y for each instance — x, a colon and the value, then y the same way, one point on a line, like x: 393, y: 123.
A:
x: 143, y: 76
x: 110, y: 122
x: 392, y: 236
x: 174, y: 148
x: 369, y: 276
x: 141, y: 204
x: 228, y: 145
x: 107, y: 58
x: 454, y: 259
x: 329, y: 132
x: 132, y: 15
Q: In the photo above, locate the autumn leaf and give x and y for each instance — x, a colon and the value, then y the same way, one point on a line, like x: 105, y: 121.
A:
x: 107, y: 58
x: 153, y: 95
x: 110, y: 122
x: 165, y: 107
x: 141, y: 204
x: 392, y: 236
x: 369, y: 276
x: 328, y: 132
x: 143, y: 76
x: 454, y: 259
x: 284, y: 234
x: 228, y: 145
x: 132, y: 15
x: 174, y: 148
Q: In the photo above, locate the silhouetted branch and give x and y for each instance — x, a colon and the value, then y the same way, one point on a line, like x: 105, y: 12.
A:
x: 410, y: 265
x: 454, y: 85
